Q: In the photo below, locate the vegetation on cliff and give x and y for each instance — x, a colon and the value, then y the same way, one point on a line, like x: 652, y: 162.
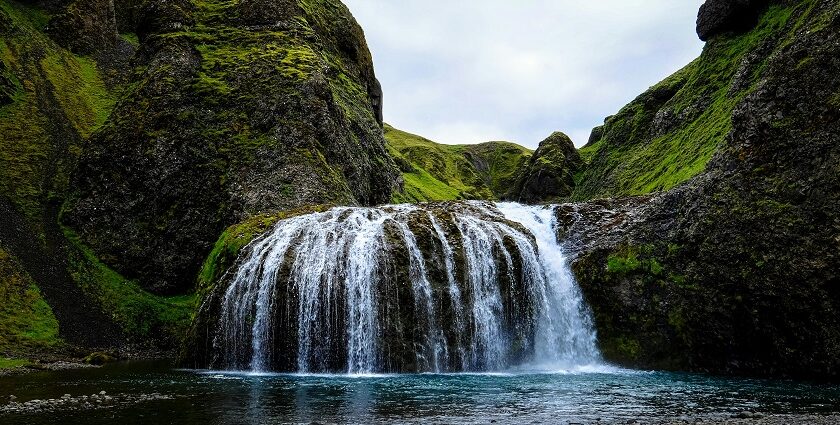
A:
x: 27, y: 323
x: 54, y: 100
x: 736, y: 270
x: 669, y: 133
x: 238, y: 109
x: 437, y: 172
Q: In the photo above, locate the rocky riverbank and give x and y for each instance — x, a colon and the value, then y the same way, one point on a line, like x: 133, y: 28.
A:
x: 68, y: 402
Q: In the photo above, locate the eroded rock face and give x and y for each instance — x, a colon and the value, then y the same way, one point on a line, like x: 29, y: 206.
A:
x: 549, y: 174
x: 720, y: 16
x: 85, y: 26
x: 229, y: 118
x: 736, y: 271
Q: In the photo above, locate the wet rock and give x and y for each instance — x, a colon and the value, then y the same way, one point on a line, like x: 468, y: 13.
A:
x: 99, y: 358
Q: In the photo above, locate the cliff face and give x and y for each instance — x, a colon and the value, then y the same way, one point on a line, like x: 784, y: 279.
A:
x: 235, y: 109
x: 163, y: 122
x: 548, y: 175
x: 737, y: 270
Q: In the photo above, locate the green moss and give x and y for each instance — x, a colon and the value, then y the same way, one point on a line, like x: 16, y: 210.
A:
x: 642, y: 262
x: 587, y: 153
x: 141, y: 315
x: 6, y: 363
x: 437, y: 172
x: 694, y: 107
x: 131, y: 38
x: 52, y: 85
x: 227, y: 248
x: 26, y: 321
x: 626, y: 348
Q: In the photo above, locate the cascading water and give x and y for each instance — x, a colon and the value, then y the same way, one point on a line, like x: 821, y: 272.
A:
x: 429, y: 288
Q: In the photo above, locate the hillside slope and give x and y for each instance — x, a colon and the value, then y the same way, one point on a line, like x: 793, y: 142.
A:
x: 437, y: 172
x: 735, y: 271
x: 669, y: 134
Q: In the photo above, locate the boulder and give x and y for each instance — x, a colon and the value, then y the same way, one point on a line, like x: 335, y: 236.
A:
x: 720, y: 16
x: 549, y: 174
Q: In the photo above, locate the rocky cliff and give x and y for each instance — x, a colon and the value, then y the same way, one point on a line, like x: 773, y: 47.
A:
x: 161, y: 123
x: 548, y: 176
x: 734, y: 271
x: 234, y: 109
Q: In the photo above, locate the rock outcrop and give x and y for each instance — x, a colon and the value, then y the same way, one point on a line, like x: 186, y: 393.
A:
x: 549, y: 174
x: 85, y: 26
x: 720, y: 16
x: 235, y: 113
x: 737, y: 270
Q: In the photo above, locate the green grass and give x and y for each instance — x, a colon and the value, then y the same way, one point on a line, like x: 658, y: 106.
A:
x: 438, y: 172
x: 12, y: 363
x: 26, y: 321
x: 131, y: 38
x: 631, y: 159
x: 141, y: 315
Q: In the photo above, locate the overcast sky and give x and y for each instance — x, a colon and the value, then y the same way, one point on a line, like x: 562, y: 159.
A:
x: 469, y: 71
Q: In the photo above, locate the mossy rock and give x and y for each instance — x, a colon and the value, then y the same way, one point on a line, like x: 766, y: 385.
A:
x: 99, y: 358
x: 229, y: 117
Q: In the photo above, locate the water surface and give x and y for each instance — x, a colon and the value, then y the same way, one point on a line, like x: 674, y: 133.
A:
x: 598, y: 394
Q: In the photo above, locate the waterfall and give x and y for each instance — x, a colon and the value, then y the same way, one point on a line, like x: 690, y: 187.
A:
x: 428, y: 288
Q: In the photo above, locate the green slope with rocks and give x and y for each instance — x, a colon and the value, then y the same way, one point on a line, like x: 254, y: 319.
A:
x: 733, y: 271
x: 437, y: 172
x: 135, y: 132
x: 669, y: 134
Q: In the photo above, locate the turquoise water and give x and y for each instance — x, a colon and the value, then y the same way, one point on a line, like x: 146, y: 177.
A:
x: 605, y: 395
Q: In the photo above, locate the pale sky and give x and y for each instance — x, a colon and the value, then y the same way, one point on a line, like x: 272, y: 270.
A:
x: 469, y: 71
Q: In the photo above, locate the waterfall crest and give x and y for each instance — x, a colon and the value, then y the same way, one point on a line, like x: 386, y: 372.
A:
x: 429, y: 288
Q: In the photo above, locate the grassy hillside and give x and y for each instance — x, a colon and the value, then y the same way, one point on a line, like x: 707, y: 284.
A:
x: 55, y: 100
x: 668, y: 134
x: 26, y: 321
x: 438, y: 172
x: 51, y: 103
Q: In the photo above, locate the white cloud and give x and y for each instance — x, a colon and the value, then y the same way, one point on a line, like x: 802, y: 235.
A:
x: 469, y: 71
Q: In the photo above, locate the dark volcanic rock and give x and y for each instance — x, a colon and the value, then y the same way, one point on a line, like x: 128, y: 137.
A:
x: 127, y: 14
x: 162, y: 16
x: 85, y: 26
x: 549, y: 174
x: 720, y: 16
x: 7, y: 87
x: 736, y: 271
x: 229, y: 120
x: 596, y: 135
x: 268, y: 12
